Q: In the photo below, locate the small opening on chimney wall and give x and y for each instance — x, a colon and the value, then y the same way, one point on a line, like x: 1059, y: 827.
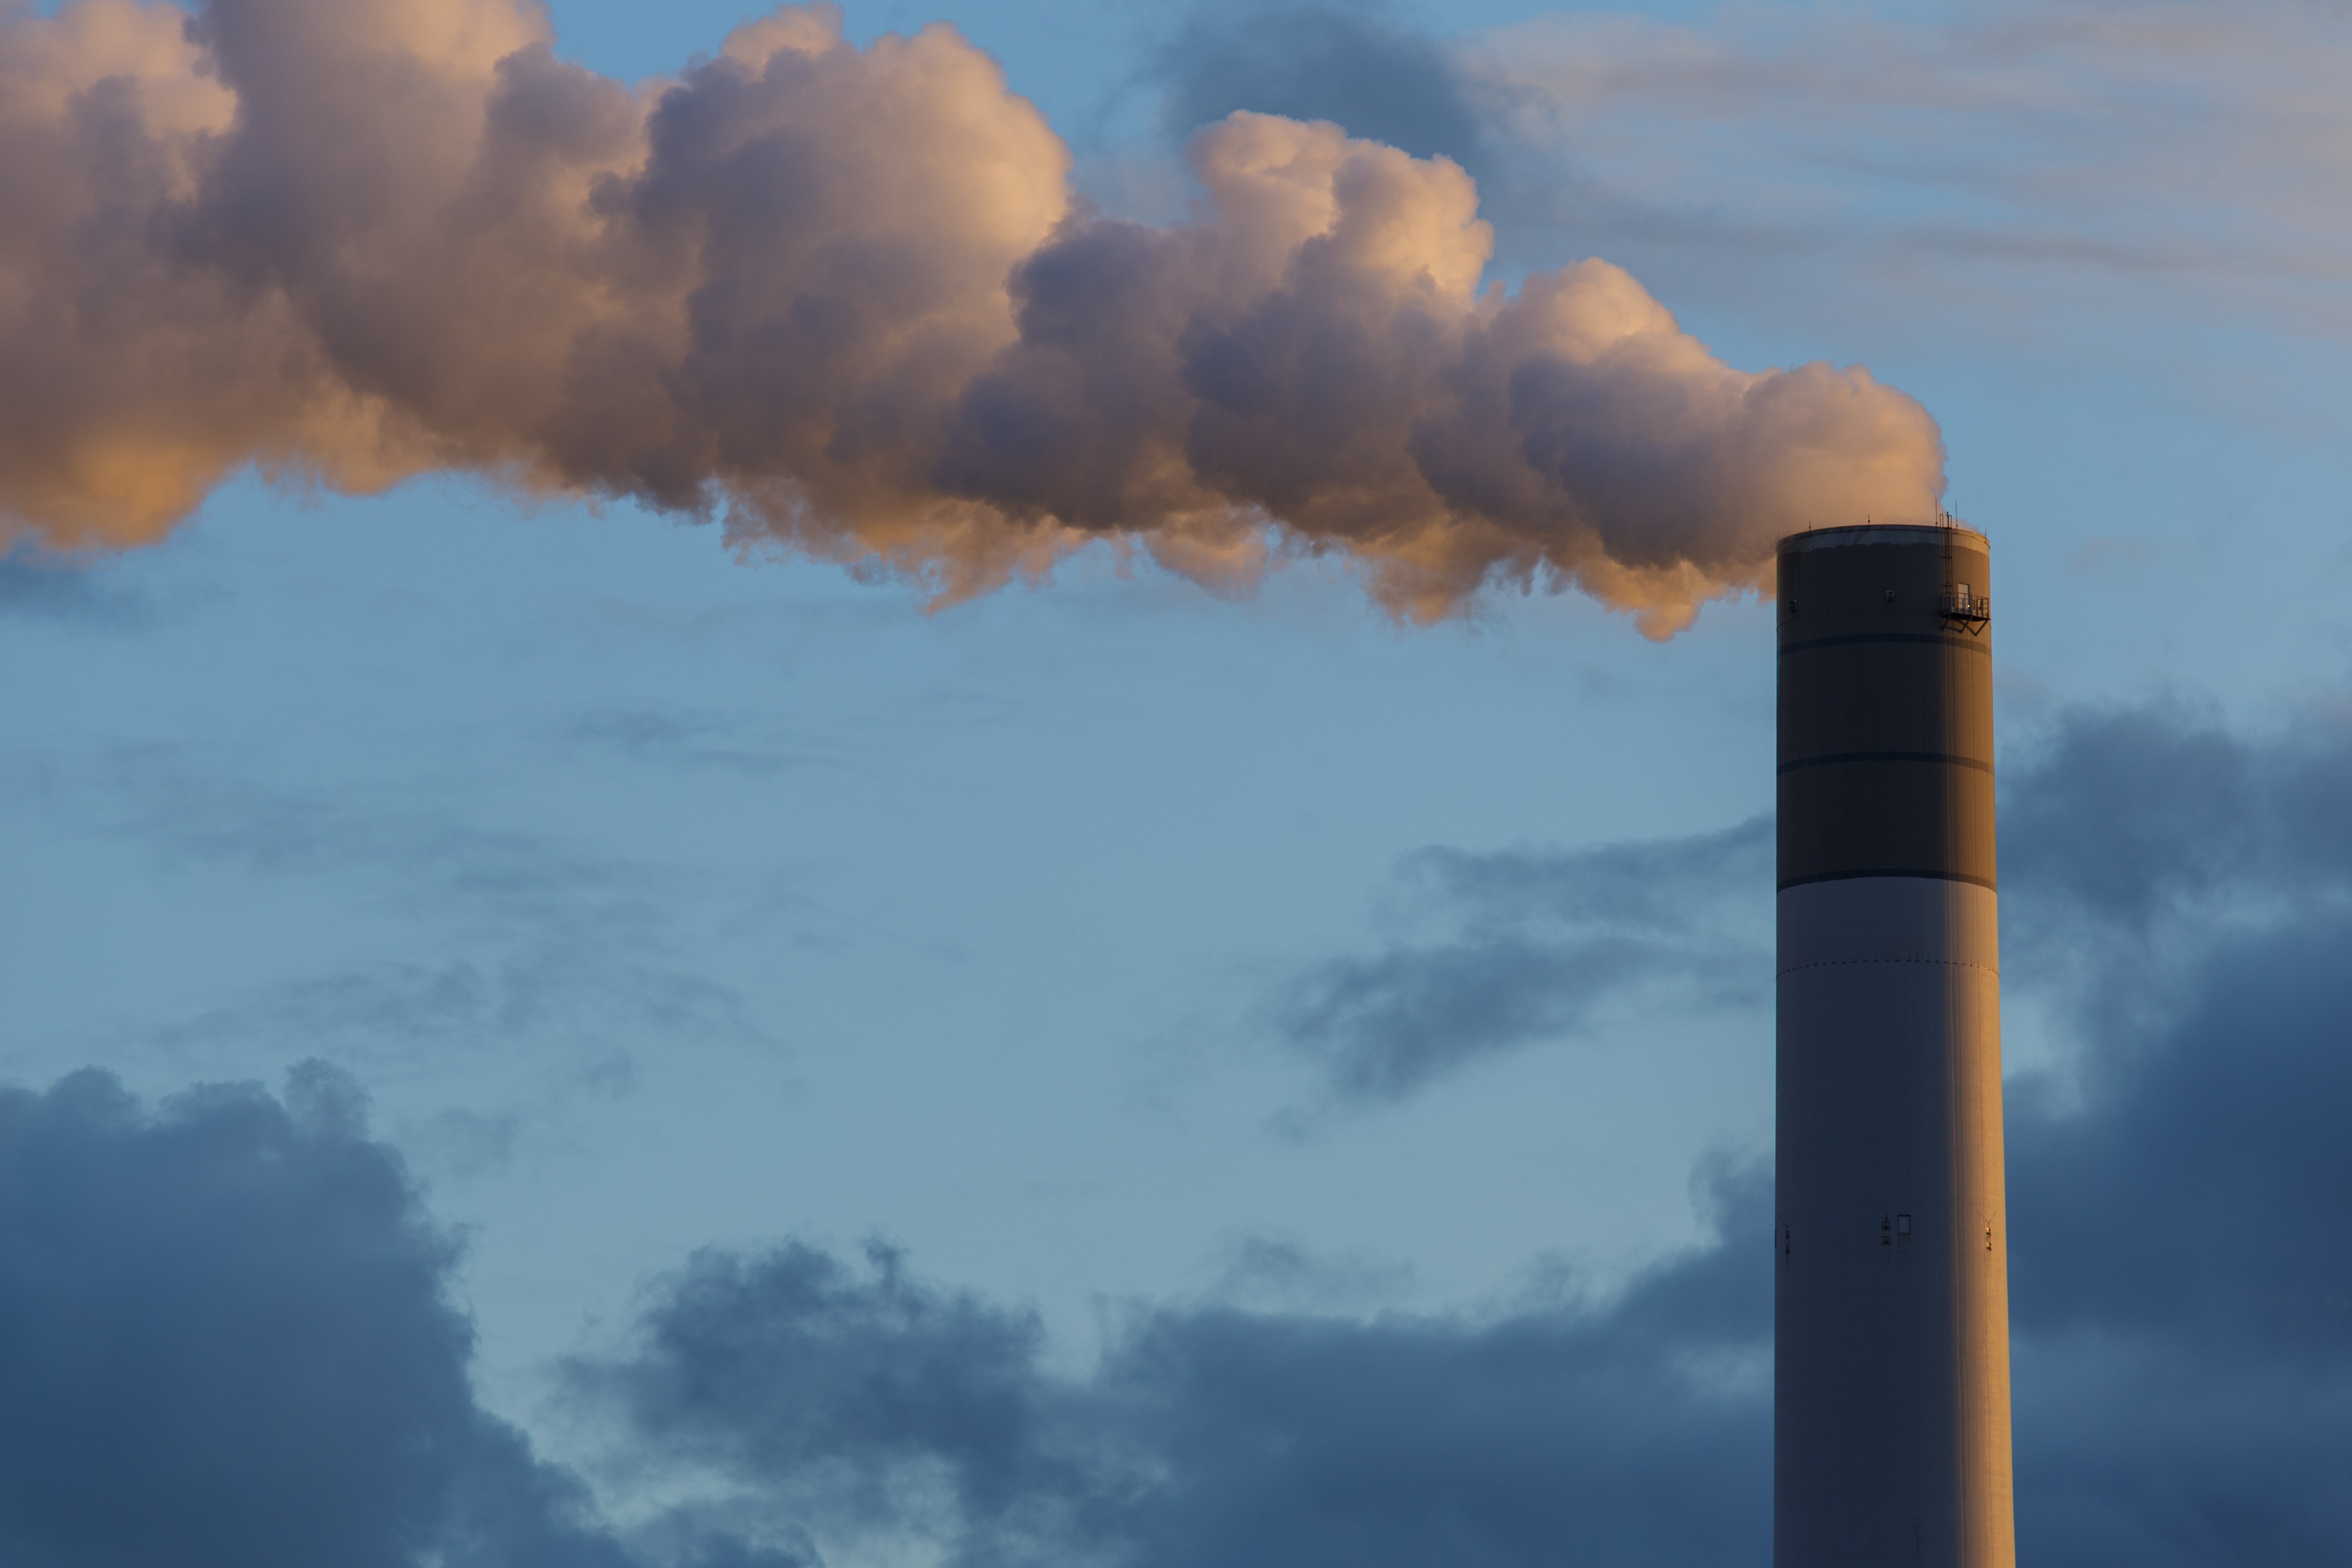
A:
x: 1903, y: 1225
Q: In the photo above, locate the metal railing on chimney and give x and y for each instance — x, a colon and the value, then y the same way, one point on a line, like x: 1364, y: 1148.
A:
x: 1971, y: 612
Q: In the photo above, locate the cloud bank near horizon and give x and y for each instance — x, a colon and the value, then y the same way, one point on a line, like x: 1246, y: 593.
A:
x: 845, y: 299
x: 231, y: 1336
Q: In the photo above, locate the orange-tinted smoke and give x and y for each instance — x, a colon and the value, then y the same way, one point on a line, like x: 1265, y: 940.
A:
x: 845, y: 299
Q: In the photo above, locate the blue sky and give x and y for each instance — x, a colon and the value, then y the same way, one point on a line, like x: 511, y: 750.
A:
x: 667, y: 901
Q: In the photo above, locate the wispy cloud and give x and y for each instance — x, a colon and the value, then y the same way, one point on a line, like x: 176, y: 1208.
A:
x: 1512, y: 947
x: 37, y: 586
x: 2097, y: 158
x: 692, y: 738
x: 507, y: 946
x: 1364, y: 66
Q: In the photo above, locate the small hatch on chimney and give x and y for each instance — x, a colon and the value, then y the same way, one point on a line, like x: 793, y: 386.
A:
x: 1903, y: 1225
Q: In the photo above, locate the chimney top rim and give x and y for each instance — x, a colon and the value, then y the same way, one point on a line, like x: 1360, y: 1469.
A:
x: 1883, y: 533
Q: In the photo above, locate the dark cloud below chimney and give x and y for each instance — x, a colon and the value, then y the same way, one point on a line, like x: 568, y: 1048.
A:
x: 227, y: 1334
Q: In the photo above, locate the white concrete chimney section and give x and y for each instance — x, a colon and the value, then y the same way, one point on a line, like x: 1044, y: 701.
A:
x: 1891, y: 1434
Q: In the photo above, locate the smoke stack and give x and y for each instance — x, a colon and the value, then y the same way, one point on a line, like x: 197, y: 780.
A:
x: 1891, y: 1437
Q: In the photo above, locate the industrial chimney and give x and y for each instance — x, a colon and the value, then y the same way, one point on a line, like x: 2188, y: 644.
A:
x: 1890, y: 1423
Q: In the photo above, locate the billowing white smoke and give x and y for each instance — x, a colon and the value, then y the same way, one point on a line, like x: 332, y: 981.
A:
x: 846, y: 298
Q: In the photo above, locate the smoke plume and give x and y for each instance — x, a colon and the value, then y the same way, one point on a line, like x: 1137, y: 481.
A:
x: 845, y: 299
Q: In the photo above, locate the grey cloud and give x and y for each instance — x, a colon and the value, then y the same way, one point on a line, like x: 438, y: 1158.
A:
x: 1214, y: 1435
x: 687, y: 737
x: 2128, y: 812
x: 1385, y: 1026
x: 562, y: 959
x: 178, y: 805
x: 2125, y: 833
x: 2182, y: 1285
x: 2166, y: 1454
x: 1268, y: 1272
x: 855, y: 1390
x: 58, y: 590
x: 1809, y: 166
x: 2203, y: 1189
x: 592, y: 1006
x: 1364, y: 67
x: 1416, y: 1441
x: 1533, y: 942
x: 226, y: 1339
x: 2132, y: 814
